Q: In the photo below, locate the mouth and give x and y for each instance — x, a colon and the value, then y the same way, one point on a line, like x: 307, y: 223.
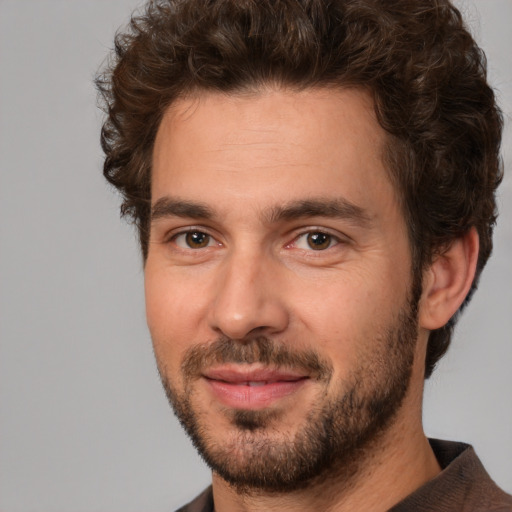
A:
x: 252, y: 388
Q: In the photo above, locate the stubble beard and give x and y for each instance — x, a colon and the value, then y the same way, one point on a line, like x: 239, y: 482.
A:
x: 336, y: 435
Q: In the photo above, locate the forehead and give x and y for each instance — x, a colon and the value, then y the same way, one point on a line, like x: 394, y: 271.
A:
x: 269, y: 146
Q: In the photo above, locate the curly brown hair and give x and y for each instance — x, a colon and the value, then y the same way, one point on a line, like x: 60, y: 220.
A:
x: 424, y: 70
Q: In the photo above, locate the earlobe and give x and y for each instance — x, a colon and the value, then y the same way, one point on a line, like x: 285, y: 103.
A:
x: 448, y: 280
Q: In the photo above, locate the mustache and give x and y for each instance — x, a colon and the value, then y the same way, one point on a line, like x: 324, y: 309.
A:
x: 259, y: 349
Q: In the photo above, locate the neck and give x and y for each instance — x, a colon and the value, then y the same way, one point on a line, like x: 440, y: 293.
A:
x: 398, y: 462
x: 378, y: 485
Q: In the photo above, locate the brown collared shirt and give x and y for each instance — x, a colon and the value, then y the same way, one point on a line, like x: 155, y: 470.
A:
x: 462, y: 486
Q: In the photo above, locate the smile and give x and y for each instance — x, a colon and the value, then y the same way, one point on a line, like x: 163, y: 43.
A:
x: 253, y: 389
x: 257, y: 383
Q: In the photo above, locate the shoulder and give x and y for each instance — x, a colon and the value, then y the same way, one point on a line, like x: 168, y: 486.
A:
x: 202, y: 503
x: 463, y: 485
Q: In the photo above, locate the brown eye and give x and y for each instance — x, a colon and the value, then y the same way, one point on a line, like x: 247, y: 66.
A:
x: 197, y: 239
x: 319, y: 241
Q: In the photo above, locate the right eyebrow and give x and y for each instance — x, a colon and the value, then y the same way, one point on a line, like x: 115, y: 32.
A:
x: 170, y: 207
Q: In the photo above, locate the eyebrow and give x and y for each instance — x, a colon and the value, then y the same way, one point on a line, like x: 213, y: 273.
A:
x: 338, y: 208
x: 169, y: 207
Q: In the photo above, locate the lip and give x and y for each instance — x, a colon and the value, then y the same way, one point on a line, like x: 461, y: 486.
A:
x: 252, y: 388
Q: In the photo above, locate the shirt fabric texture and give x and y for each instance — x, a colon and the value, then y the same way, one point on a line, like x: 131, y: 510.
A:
x: 462, y: 486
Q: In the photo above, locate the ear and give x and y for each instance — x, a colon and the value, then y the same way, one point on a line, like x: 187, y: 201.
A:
x: 448, y: 280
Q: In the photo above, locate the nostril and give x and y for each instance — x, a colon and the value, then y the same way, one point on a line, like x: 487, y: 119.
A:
x: 246, y: 302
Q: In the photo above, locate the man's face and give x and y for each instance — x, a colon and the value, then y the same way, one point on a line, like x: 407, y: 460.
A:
x: 278, y: 281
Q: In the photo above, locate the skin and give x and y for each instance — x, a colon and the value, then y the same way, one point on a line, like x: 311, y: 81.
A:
x: 252, y: 155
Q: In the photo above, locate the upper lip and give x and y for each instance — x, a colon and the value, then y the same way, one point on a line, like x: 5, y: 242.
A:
x: 235, y: 375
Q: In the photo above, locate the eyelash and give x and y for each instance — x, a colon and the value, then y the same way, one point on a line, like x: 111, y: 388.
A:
x: 189, y: 231
x: 332, y: 241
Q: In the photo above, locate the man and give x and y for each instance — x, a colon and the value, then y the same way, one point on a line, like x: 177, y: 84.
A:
x: 313, y: 184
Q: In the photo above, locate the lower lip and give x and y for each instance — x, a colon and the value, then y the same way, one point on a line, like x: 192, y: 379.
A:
x: 241, y: 396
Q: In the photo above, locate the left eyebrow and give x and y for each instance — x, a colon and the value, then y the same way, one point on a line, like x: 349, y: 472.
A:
x: 338, y: 208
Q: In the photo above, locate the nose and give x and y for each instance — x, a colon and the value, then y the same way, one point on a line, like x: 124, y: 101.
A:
x: 248, y: 298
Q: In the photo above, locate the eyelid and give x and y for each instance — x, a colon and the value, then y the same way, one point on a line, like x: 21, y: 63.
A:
x: 184, y: 230
x: 335, y: 235
x: 304, y: 241
x: 179, y: 230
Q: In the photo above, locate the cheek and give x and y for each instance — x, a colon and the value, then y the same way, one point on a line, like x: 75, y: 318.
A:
x: 172, y: 316
x: 345, y: 316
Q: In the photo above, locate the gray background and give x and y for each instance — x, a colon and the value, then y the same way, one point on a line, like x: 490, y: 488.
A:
x: 84, y: 425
